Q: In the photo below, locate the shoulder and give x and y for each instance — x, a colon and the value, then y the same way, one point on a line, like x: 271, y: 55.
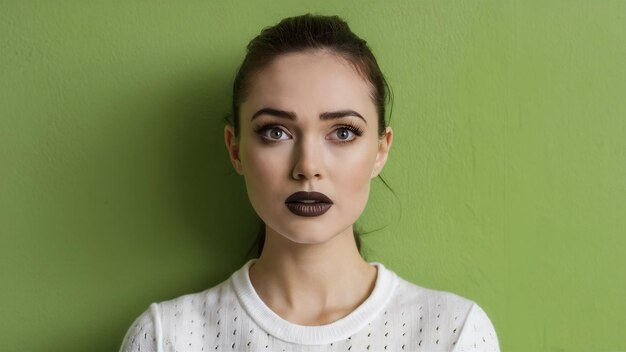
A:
x: 142, y: 334
x: 429, y: 302
x: 443, y: 319
x: 195, y: 304
x: 478, y: 333
x: 162, y: 320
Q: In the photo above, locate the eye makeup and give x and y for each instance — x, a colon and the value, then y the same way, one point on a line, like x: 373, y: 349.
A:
x: 356, y: 130
x: 262, y: 131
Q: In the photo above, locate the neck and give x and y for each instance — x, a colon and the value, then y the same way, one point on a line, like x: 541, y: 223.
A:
x: 312, y: 284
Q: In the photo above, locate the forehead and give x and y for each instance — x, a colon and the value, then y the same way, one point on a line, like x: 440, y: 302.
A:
x: 310, y: 82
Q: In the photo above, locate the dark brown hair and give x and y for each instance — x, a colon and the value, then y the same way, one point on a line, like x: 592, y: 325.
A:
x: 304, y: 33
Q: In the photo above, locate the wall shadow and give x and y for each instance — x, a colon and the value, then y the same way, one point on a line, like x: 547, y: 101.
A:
x: 208, y: 198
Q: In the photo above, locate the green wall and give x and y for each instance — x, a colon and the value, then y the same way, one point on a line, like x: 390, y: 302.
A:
x: 509, y: 161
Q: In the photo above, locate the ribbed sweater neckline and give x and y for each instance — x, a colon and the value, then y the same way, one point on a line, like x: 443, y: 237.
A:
x: 341, y: 329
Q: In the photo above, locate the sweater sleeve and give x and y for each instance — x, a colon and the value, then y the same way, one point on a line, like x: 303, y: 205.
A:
x: 478, y: 333
x: 144, y: 334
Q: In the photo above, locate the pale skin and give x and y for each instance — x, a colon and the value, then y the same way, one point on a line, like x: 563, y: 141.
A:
x: 310, y: 271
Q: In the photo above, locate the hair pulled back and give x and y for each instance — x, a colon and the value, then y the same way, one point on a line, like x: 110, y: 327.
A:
x: 304, y: 33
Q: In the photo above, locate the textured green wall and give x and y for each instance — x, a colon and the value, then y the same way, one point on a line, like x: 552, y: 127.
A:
x: 509, y: 162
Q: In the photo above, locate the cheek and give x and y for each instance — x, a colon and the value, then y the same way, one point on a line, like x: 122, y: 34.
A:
x: 263, y: 169
x: 360, y: 159
x: 355, y: 172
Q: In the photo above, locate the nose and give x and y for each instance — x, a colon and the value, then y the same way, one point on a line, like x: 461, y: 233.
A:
x: 308, y: 160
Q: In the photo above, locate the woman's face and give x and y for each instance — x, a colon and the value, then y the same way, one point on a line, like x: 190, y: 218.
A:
x: 308, y: 124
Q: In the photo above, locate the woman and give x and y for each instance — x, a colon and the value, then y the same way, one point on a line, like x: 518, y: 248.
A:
x: 308, y: 134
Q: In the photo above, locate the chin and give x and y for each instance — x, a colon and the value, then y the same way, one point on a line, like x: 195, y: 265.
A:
x: 316, y: 233
x: 311, y: 240
x: 303, y: 230
x: 305, y: 236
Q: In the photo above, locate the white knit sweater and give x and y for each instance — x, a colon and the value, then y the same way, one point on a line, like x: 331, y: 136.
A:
x: 397, y: 316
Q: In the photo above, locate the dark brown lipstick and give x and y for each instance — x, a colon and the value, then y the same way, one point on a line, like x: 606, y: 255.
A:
x: 308, y: 204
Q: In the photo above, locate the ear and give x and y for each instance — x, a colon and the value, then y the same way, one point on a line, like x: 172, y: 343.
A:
x: 384, y: 145
x: 232, y: 144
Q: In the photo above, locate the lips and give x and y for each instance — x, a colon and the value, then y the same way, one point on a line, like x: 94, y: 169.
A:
x: 308, y: 204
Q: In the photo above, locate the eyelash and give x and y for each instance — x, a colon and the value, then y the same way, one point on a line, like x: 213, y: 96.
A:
x: 358, y: 132
x: 261, y: 129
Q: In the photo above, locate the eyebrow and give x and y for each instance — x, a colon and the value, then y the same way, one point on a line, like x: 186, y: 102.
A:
x: 331, y: 115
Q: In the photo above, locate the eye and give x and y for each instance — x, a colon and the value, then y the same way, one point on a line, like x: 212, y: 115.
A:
x: 346, y: 133
x: 272, y: 133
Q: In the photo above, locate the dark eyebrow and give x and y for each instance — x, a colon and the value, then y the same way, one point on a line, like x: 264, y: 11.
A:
x: 275, y: 112
x: 292, y: 116
x: 341, y: 113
